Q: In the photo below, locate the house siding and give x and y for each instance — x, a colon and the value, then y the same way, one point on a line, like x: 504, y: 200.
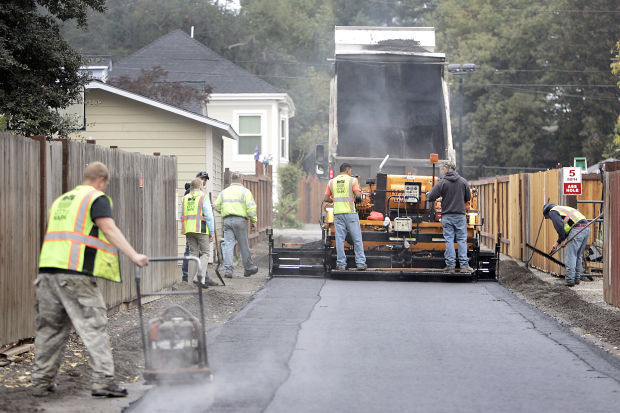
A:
x: 114, y: 120
x: 227, y: 111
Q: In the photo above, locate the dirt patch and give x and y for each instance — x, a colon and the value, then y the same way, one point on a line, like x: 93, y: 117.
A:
x: 221, y: 303
x: 580, y: 307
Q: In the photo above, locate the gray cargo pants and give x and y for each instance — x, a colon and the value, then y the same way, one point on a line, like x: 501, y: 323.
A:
x: 236, y: 229
x: 64, y: 300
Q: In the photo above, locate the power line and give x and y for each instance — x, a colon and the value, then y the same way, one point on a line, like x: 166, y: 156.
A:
x: 582, y: 97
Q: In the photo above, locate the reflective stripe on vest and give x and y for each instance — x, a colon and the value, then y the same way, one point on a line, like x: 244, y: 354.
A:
x: 569, y: 215
x: 233, y: 202
x: 342, y: 194
x: 192, y: 218
x: 68, y: 237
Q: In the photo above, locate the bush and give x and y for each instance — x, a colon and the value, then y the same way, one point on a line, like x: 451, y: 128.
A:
x: 285, y: 211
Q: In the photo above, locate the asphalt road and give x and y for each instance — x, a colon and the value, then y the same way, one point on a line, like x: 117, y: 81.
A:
x: 314, y: 345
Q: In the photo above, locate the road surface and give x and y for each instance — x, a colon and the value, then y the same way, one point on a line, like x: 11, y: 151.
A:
x: 316, y: 345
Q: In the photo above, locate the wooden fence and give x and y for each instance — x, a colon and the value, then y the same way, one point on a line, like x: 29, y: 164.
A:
x: 260, y: 184
x: 34, y: 173
x: 611, y: 249
x: 310, y: 194
x: 512, y: 207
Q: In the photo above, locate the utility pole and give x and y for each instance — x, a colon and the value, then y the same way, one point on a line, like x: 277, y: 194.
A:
x: 461, y: 70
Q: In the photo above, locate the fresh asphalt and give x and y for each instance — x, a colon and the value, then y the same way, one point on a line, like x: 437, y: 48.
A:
x: 321, y: 345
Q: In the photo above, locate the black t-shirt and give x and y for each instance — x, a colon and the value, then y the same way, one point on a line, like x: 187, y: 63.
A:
x: 101, y: 208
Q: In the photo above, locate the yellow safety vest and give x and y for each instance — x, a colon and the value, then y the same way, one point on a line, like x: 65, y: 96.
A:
x: 569, y: 215
x: 342, y: 194
x: 192, y: 219
x: 73, y: 241
x: 236, y: 200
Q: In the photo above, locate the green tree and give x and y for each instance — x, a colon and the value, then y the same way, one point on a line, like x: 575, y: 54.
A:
x: 613, y: 150
x: 38, y: 69
x: 542, y: 88
x: 285, y: 211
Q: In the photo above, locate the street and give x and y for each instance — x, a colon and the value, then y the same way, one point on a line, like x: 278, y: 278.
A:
x: 314, y: 345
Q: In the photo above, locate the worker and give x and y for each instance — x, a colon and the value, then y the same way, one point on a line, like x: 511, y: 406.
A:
x: 454, y: 192
x: 569, y: 221
x: 197, y: 225
x: 79, y: 247
x: 237, y: 206
x: 184, y: 267
x: 342, y: 191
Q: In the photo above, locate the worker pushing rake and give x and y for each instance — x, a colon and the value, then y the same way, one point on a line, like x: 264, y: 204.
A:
x: 573, y: 230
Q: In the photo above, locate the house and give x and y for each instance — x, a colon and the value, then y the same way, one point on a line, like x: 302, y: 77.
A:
x: 134, y: 123
x: 258, y: 111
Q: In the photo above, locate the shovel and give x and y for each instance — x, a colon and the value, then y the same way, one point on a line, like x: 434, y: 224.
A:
x: 217, y: 245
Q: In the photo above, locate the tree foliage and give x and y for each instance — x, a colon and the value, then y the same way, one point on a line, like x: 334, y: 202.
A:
x: 38, y: 68
x: 285, y: 211
x: 540, y: 95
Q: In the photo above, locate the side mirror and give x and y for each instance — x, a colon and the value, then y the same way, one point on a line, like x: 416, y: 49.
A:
x: 320, y: 159
x: 319, y: 154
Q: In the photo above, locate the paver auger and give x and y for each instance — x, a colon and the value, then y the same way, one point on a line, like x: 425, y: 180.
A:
x: 402, y: 237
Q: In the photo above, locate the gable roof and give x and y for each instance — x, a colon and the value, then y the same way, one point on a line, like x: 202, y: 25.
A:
x: 189, y: 61
x: 224, y: 128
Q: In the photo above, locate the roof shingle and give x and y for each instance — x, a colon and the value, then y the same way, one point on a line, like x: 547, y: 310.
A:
x: 189, y: 61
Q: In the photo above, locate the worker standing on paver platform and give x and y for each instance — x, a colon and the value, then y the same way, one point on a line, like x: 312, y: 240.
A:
x: 342, y: 191
x: 80, y: 244
x: 236, y: 204
x: 455, y: 193
x: 569, y: 221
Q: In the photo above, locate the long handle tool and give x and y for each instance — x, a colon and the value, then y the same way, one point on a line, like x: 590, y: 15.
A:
x: 217, y: 245
x: 544, y: 254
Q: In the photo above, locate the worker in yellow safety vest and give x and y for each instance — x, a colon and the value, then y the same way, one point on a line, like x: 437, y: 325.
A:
x: 197, y: 225
x: 237, y: 206
x: 80, y: 245
x: 573, y: 233
x: 342, y: 191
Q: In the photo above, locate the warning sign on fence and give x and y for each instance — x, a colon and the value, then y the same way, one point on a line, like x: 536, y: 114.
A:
x: 572, y: 181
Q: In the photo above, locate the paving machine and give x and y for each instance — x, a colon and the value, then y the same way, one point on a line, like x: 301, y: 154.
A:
x: 402, y: 236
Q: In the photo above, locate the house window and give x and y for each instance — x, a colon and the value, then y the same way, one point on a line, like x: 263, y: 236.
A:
x: 283, y: 139
x: 249, y: 134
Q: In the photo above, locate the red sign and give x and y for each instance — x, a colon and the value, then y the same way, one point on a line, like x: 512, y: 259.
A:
x: 572, y: 188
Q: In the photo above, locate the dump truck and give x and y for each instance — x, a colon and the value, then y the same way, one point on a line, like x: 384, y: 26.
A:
x: 390, y: 119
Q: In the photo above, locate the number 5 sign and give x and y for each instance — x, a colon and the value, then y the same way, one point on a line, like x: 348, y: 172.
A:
x: 572, y: 181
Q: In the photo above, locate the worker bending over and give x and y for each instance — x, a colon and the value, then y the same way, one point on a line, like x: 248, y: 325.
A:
x: 80, y: 245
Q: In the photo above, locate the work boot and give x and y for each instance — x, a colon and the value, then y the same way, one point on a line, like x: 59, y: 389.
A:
x: 228, y: 274
x: 341, y: 268
x: 211, y: 283
x: 362, y: 267
x: 577, y: 281
x: 466, y: 269
x: 569, y: 284
x: 449, y: 270
x: 111, y: 390
x: 44, y: 391
x: 252, y: 270
x: 199, y: 282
